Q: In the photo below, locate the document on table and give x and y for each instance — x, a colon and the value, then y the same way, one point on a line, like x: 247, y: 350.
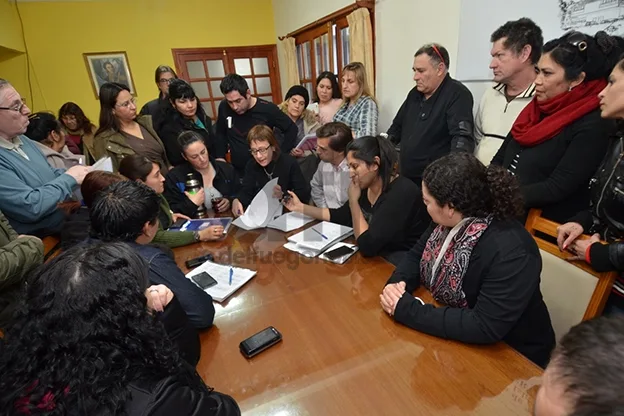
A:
x: 290, y: 221
x: 221, y: 273
x: 262, y: 210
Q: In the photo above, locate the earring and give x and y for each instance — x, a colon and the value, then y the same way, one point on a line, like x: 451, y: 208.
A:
x: 570, y: 88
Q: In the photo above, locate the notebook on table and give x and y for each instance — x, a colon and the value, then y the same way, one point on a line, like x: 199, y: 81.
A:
x: 316, y: 239
x: 221, y: 273
x: 200, y: 224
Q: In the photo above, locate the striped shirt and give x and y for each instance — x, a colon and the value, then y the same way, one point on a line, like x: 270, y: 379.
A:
x: 361, y: 117
x: 495, y: 117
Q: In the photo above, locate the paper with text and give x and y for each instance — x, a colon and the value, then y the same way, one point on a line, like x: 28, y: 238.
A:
x: 262, y: 210
x: 221, y: 273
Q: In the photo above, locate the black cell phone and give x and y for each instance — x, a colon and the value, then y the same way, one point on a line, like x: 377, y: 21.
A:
x: 339, y: 252
x: 178, y: 224
x: 198, y: 261
x: 204, y: 280
x: 259, y: 342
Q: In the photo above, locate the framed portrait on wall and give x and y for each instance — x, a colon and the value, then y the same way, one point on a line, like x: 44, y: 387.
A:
x: 104, y: 67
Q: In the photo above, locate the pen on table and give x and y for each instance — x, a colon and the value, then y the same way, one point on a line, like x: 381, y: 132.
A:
x: 231, y: 274
x: 320, y: 233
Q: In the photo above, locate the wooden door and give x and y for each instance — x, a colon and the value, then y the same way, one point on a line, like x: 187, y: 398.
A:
x: 205, y: 68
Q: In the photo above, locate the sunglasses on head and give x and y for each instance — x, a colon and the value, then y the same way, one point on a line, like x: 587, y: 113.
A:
x: 577, y: 39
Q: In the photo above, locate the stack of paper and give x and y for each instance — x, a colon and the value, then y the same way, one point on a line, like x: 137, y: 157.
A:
x: 263, y: 209
x: 314, y: 240
x: 221, y: 273
x: 290, y: 221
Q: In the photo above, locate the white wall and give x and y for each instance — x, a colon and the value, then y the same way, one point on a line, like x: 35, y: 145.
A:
x: 401, y: 27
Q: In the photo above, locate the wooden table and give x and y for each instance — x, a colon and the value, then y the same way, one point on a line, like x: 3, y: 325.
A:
x: 341, y: 354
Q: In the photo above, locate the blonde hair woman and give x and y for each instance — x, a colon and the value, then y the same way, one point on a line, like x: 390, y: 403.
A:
x: 359, y: 109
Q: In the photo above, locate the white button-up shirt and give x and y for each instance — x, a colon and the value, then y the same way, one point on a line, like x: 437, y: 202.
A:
x: 330, y: 185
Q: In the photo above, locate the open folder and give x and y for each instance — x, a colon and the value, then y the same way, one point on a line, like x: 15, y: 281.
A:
x: 314, y: 240
x: 221, y: 273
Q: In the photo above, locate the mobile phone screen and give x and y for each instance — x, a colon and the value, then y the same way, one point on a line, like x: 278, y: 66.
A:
x: 338, y: 252
x: 204, y: 280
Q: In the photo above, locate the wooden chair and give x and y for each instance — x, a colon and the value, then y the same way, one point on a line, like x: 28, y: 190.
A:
x: 572, y: 290
x: 51, y: 246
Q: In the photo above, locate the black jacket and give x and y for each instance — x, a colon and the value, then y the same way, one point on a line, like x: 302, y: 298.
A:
x: 502, y: 288
x: 285, y: 167
x: 156, y: 108
x: 163, y: 270
x: 181, y: 332
x: 234, y: 133
x: 606, y: 215
x: 226, y: 181
x: 173, y: 123
x: 554, y: 175
x: 177, y: 395
x: 429, y: 129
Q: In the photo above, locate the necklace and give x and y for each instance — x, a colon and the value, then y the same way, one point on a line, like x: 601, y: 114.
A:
x: 269, y: 175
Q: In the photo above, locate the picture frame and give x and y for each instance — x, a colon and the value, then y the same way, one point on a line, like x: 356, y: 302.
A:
x: 105, y: 67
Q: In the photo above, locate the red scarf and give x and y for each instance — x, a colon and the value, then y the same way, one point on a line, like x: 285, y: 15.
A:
x: 540, y: 121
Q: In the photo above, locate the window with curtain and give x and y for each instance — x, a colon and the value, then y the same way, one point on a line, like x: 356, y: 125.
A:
x: 324, y: 46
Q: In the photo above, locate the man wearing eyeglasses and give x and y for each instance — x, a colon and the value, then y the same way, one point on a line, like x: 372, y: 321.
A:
x: 516, y: 48
x: 435, y: 118
x: 29, y: 189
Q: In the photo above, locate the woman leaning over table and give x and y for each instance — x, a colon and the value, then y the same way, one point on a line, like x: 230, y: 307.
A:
x: 218, y: 179
x: 122, y: 133
x: 477, y: 259
x: 359, y: 109
x: 605, y: 218
x: 559, y: 139
x: 385, y: 210
x: 268, y: 163
x: 141, y: 169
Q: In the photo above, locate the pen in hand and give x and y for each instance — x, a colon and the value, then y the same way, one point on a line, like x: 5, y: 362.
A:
x: 231, y: 274
x: 320, y: 233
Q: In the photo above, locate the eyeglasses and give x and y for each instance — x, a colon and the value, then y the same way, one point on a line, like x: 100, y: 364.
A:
x: 166, y: 81
x: 127, y: 103
x: 259, y: 151
x: 17, y: 107
x: 437, y: 51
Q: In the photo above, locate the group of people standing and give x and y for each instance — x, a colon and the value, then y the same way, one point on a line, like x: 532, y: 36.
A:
x: 449, y: 220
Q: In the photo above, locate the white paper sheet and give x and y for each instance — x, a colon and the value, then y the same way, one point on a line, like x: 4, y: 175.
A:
x: 221, y: 273
x: 290, y: 221
x: 105, y: 164
x: 262, y: 210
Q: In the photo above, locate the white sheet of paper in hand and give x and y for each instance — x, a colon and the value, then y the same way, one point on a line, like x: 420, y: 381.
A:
x: 262, y: 210
x: 104, y: 164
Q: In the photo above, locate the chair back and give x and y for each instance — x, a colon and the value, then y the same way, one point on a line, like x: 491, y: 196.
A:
x: 573, y: 291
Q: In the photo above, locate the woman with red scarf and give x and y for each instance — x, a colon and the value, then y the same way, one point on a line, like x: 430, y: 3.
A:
x: 559, y: 139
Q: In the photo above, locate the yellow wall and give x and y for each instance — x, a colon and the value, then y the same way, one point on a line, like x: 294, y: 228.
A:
x: 10, y: 31
x: 58, y: 33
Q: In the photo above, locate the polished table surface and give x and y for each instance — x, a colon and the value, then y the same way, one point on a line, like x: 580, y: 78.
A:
x: 341, y: 354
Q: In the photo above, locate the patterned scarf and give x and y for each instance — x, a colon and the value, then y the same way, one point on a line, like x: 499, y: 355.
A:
x: 446, y: 284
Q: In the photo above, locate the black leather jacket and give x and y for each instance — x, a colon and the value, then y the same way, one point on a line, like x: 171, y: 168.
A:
x: 606, y: 214
x: 607, y: 194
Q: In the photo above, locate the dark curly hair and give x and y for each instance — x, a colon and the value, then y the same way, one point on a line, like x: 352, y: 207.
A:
x: 464, y: 183
x: 81, y: 334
